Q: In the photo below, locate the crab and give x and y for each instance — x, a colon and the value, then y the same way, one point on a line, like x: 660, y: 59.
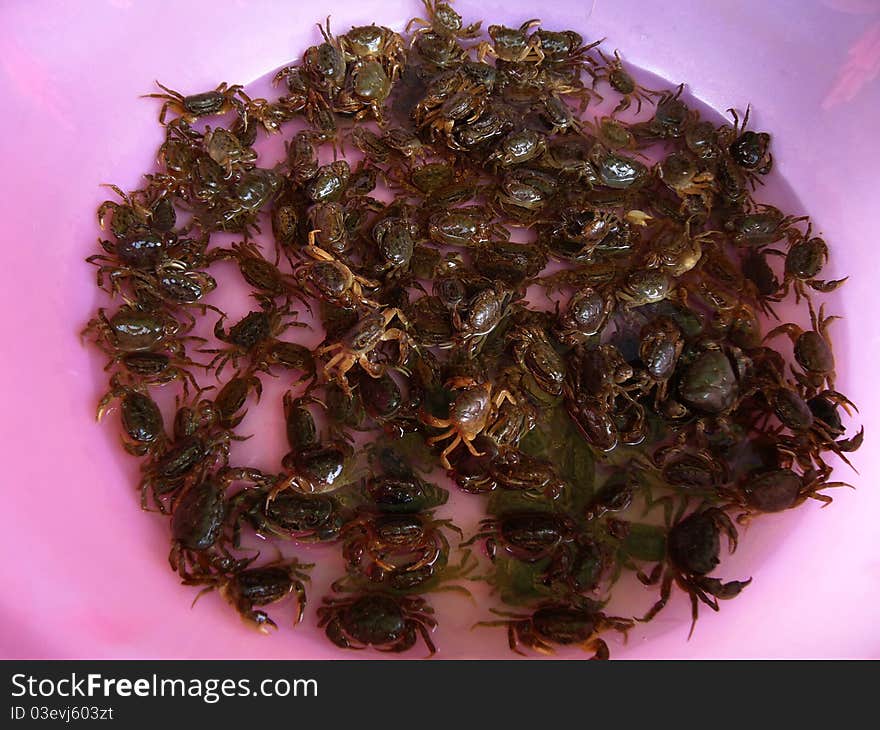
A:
x: 312, y: 465
x: 681, y: 172
x: 620, y: 80
x: 470, y: 414
x: 135, y: 330
x: 256, y: 270
x: 154, y: 369
x: 713, y: 381
x: 803, y: 263
x: 252, y: 336
x: 198, y: 540
x: 536, y: 356
x: 396, y: 548
x: 512, y: 44
x: 552, y: 539
x: 366, y: 44
x: 143, y: 430
x: 812, y: 349
x: 576, y: 622
x: 329, y: 279
x: 136, y: 213
x: 199, y: 443
x: 246, y: 588
x: 775, y: 490
x: 749, y: 150
x: 443, y: 21
x: 692, y: 548
x: 383, y: 621
x: 358, y: 347
x: 232, y: 397
x: 221, y: 100
x: 659, y: 349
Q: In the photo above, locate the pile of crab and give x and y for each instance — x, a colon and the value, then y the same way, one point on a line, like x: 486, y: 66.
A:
x: 559, y: 310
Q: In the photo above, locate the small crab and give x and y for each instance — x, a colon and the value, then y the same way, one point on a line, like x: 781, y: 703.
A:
x: 535, y: 536
x: 226, y: 150
x: 614, y: 134
x: 762, y: 226
x: 774, y: 490
x: 803, y: 263
x: 682, y: 174
x: 311, y: 466
x: 395, y: 239
x: 692, y: 548
x: 443, y: 21
x: 647, y: 286
x: 691, y: 470
x: 476, y: 318
x: 441, y: 115
x: 366, y: 91
x: 563, y: 47
x: 173, y: 283
x: 381, y: 620
x: 198, y: 542
x: 324, y: 64
x: 232, y: 397
x: 136, y: 214
x: 713, y: 380
x: 143, y: 429
x: 132, y: 329
x: 617, y: 171
x: 510, y: 470
x: 328, y: 278
x: 518, y: 147
x: 246, y: 588
x: 384, y: 548
x: 598, y: 398
x: 659, y: 349
x: 358, y: 347
x: 810, y: 434
x: 377, y: 43
x: 536, y: 356
x: 574, y: 622
x: 473, y: 406
x: 256, y: 270
x: 469, y: 227
x: 812, y: 349
x: 327, y: 220
x: 403, y: 492
x: 199, y: 443
x: 154, y: 368
x: 512, y: 44
x: 585, y: 316
x: 748, y: 149
x: 221, y: 100
x: 670, y: 121
x: 251, y: 337
x: 619, y: 79
x: 289, y: 515
x: 676, y: 250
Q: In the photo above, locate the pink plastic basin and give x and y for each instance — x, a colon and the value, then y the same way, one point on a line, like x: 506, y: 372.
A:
x: 83, y: 570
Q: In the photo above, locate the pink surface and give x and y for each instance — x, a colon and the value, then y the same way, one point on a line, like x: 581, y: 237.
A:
x: 83, y: 571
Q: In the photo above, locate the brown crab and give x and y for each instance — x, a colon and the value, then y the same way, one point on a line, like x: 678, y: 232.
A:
x: 329, y: 279
x: 381, y: 620
x: 358, y: 347
x: 470, y: 413
x: 576, y: 622
x: 221, y: 100
x: 812, y: 349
